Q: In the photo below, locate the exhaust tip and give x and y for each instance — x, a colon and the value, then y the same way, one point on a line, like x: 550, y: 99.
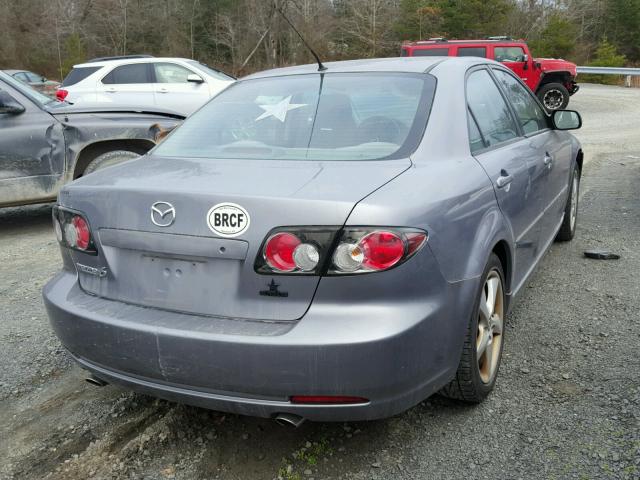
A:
x: 95, y: 381
x: 289, y: 420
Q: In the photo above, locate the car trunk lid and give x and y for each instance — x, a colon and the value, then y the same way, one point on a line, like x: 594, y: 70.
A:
x: 185, y: 266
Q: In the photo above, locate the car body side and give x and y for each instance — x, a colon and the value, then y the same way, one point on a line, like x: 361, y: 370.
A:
x: 395, y: 337
x: 42, y: 149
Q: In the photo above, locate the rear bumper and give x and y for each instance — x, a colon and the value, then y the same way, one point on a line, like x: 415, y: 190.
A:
x: 393, y: 355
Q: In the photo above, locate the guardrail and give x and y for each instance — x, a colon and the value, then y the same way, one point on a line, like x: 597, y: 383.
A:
x: 626, y: 72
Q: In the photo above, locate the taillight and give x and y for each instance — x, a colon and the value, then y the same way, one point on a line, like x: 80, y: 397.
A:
x: 318, y: 251
x: 295, y: 250
x: 61, y: 94
x: 362, y: 250
x: 72, y: 230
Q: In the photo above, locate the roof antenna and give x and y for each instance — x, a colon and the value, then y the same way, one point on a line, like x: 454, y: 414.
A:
x: 321, y: 67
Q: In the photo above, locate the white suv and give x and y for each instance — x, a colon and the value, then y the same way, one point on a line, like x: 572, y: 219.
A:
x: 177, y: 84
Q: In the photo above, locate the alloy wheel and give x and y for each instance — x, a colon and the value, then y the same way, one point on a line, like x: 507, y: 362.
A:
x: 553, y: 99
x: 574, y: 202
x: 490, y: 326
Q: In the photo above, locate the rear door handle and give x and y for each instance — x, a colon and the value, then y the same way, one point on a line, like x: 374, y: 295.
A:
x: 163, y: 90
x: 111, y: 90
x: 504, y: 179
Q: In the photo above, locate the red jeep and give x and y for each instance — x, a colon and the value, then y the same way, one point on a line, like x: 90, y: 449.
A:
x: 553, y: 81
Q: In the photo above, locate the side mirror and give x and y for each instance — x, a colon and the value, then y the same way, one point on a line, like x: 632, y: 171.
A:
x: 44, y: 79
x: 525, y: 58
x: 566, y: 120
x: 193, y: 78
x: 8, y: 105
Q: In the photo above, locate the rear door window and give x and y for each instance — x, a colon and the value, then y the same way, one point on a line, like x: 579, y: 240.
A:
x: 78, y: 74
x: 489, y: 109
x: 431, y: 52
x: 530, y: 115
x: 129, y: 74
x: 472, y: 52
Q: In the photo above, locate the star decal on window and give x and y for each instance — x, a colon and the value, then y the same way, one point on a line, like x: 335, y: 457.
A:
x: 279, y: 110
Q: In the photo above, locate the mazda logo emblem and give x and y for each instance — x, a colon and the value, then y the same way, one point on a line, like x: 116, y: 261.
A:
x: 163, y: 214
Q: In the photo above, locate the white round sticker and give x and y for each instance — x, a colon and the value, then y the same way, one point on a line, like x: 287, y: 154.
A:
x: 228, y: 219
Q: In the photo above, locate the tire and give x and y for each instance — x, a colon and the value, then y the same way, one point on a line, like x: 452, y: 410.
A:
x: 568, y: 228
x: 475, y: 379
x: 554, y: 96
x: 108, y: 159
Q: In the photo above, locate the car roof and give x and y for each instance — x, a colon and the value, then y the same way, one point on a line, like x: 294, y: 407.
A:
x: 13, y: 72
x: 116, y: 62
x: 391, y: 65
x: 395, y: 64
x: 431, y: 43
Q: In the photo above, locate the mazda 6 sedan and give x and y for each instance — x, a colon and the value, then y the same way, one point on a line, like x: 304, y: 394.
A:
x: 332, y: 244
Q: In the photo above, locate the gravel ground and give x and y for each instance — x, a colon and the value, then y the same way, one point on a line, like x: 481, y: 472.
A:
x: 567, y: 403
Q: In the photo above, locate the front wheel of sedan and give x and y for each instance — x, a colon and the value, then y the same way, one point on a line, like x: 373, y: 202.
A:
x: 568, y: 228
x: 482, y: 349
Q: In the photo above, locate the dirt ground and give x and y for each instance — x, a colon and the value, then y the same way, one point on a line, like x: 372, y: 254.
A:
x: 567, y: 402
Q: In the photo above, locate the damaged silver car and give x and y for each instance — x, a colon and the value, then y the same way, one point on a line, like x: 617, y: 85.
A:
x: 45, y: 143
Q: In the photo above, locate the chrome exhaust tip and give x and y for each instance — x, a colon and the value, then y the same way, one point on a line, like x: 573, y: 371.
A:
x: 95, y: 381
x: 289, y: 420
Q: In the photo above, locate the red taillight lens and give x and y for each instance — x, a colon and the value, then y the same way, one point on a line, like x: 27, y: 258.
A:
x: 61, y: 94
x: 72, y: 230
x: 381, y: 250
x: 326, y: 399
x: 317, y: 251
x: 83, y: 236
x: 278, y: 252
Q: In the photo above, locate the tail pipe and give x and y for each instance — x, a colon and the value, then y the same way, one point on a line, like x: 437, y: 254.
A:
x: 96, y: 381
x: 289, y: 419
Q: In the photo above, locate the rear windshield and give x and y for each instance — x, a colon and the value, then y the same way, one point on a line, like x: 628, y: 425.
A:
x: 78, y: 74
x: 339, y: 116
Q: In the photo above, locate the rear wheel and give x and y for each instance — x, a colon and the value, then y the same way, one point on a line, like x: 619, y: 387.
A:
x: 482, y: 350
x: 554, y: 96
x: 108, y: 159
x: 568, y: 228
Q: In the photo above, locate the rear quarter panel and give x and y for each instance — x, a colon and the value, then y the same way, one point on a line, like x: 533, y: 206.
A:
x: 446, y: 192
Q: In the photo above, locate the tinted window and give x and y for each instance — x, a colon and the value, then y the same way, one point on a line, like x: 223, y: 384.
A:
x: 529, y: 113
x: 171, y: 73
x: 431, y: 52
x: 472, y: 52
x: 508, y: 54
x: 78, y: 74
x: 309, y: 117
x: 127, y: 74
x: 475, y: 138
x: 489, y: 109
x: 26, y: 90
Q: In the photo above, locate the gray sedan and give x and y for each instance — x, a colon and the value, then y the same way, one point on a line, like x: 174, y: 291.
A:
x: 325, y: 245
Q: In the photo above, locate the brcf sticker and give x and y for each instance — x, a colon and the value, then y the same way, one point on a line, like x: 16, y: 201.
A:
x: 228, y: 220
